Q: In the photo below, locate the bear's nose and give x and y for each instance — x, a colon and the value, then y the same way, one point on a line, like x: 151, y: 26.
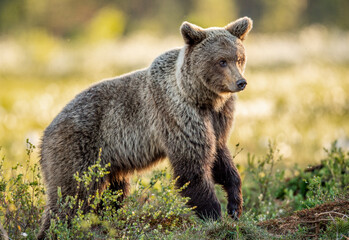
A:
x: 241, y: 84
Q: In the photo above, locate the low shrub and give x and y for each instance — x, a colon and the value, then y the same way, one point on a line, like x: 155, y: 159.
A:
x: 155, y: 209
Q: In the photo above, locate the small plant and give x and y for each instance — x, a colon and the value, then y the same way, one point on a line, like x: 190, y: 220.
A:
x: 267, y: 194
x: 321, y: 183
x: 154, y: 209
x: 337, y: 229
x: 264, y: 181
x: 330, y: 180
x: 21, y: 198
x: 77, y: 224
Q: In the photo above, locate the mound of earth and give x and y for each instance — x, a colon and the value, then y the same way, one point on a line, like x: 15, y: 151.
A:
x: 313, y: 219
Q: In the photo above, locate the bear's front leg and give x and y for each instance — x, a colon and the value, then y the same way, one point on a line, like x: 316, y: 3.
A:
x: 226, y: 174
x: 193, y: 163
x: 201, y: 193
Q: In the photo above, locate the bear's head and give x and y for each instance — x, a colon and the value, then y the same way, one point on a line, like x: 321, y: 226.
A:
x: 212, y: 63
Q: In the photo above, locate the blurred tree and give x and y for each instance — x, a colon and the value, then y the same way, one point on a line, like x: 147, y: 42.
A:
x: 331, y: 13
x: 251, y: 8
x: 34, y: 12
x: 170, y: 14
x: 70, y: 18
x: 11, y: 15
x: 282, y: 15
x: 108, y: 23
x: 207, y: 13
x: 154, y: 15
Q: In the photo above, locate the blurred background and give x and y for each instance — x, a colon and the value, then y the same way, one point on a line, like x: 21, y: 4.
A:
x: 297, y: 69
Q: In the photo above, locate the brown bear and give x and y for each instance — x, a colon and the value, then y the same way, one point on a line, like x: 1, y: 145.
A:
x: 181, y: 107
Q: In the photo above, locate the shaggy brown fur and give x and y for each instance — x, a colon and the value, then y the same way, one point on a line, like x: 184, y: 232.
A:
x: 181, y: 107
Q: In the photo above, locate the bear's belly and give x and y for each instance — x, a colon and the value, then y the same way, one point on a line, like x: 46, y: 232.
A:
x: 131, y: 149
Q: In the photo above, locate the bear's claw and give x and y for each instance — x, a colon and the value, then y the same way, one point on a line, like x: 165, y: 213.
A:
x: 234, y: 211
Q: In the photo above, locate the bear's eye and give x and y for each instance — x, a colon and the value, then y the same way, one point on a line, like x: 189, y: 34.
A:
x: 223, y: 63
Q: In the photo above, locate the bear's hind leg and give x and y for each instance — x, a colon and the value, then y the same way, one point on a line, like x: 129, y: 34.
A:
x: 45, y: 224
x: 117, y: 185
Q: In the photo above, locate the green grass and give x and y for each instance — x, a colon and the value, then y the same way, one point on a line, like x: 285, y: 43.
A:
x: 155, y: 210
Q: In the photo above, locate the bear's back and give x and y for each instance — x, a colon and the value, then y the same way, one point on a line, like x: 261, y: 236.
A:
x: 111, y: 115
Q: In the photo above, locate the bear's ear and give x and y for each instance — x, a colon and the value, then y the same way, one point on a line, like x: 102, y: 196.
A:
x: 240, y: 28
x: 192, y: 34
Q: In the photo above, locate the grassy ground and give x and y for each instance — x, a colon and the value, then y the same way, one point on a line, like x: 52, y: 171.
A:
x: 155, y: 210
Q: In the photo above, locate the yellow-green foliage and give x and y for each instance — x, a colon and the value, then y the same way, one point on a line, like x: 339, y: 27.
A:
x: 155, y: 210
x: 106, y: 25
